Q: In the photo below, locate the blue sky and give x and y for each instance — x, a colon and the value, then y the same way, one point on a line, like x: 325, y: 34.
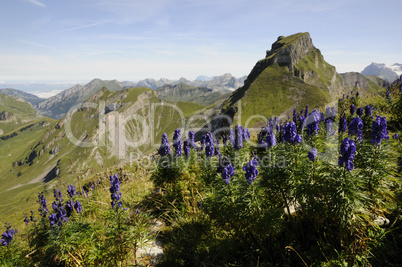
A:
x: 78, y: 40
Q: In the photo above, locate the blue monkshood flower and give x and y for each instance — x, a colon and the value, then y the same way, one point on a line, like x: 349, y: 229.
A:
x: 203, y: 141
x: 312, y: 123
x: 250, y: 170
x: 328, y: 125
x: 302, y: 123
x: 164, y: 148
x: 26, y: 219
x: 114, y: 190
x: 217, y: 152
x: 231, y: 137
x: 60, y: 214
x: 191, y: 141
x: 8, y: 235
x: 388, y: 95
x: 78, y: 206
x: 238, y: 137
x: 356, y: 128
x: 290, y: 134
x: 227, y: 173
x: 312, y: 154
x: 322, y: 116
x: 367, y: 110
x: 224, y: 139
x: 42, y: 205
x: 246, y: 134
x: 379, y: 130
x: 359, y: 111
x: 357, y: 94
x: 262, y: 134
x: 395, y: 136
x: 209, y: 145
x: 69, y: 208
x: 177, y: 142
x: 352, y: 109
x: 348, y: 152
x: 186, y: 148
x: 137, y: 211
x: 57, y: 194
x: 306, y: 112
x: 342, y: 124
x: 32, y: 216
x: 295, y: 115
x: 71, y: 191
x: 271, y: 140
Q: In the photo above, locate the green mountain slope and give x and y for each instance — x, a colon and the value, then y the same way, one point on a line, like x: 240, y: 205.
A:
x: 109, y: 129
x: 292, y: 75
x: 33, y: 99
x: 186, y: 93
x: 15, y: 113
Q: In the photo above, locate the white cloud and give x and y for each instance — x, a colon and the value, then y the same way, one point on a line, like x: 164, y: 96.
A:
x: 46, y: 94
x: 36, y: 2
x: 2, y: 82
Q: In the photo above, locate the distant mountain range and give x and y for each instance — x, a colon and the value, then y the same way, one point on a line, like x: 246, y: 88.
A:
x: 386, y: 72
x: 33, y: 99
x: 222, y: 83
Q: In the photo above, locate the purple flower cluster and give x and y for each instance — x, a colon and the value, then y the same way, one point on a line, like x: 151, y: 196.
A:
x: 8, y: 235
x: 271, y: 140
x: 186, y: 147
x: 60, y: 214
x: 328, y: 125
x: 306, y: 112
x: 312, y: 123
x: 379, y: 130
x: 114, y: 190
x: 164, y: 148
x: 217, y: 151
x: 312, y: 154
x: 209, y: 145
x: 352, y: 109
x: 367, y: 110
x: 395, y: 136
x: 71, y: 191
x: 356, y: 128
x: 290, y: 134
x: 238, y: 137
x: 359, y: 111
x: 388, y: 95
x: 250, y: 170
x: 348, y: 152
x: 177, y: 142
x: 228, y: 172
x: 191, y: 141
x: 342, y: 124
x: 42, y: 205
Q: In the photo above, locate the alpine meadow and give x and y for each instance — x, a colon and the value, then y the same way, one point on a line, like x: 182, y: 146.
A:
x: 293, y: 165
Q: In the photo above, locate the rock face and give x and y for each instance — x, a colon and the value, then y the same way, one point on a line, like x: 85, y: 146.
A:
x: 5, y: 116
x: 58, y: 105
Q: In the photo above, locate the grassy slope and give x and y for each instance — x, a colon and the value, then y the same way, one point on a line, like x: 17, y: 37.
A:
x: 22, y: 110
x: 274, y: 91
x: 76, y: 163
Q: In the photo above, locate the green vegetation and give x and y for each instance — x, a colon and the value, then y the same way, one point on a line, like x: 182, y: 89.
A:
x: 273, y: 92
x: 185, y: 93
x: 293, y: 211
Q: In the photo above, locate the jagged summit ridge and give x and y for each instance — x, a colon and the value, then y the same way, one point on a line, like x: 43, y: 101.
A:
x: 286, y: 51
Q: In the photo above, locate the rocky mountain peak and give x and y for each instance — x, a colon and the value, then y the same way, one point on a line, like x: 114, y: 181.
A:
x: 287, y: 51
